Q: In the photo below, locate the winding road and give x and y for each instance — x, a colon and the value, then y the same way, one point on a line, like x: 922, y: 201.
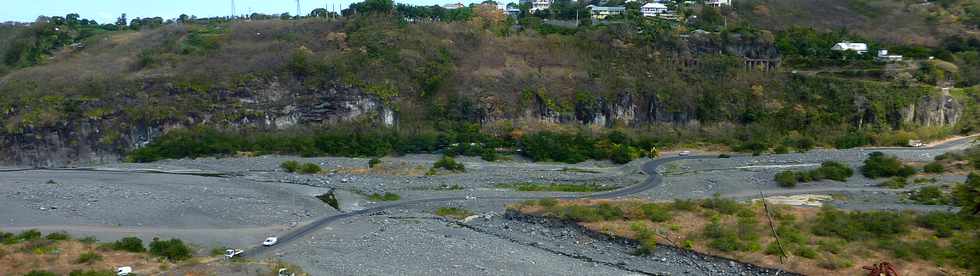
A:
x: 649, y: 168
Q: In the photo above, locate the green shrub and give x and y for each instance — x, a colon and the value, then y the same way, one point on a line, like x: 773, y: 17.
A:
x: 656, y: 212
x: 449, y: 164
x: 967, y: 194
x: 384, y: 197
x: 601, y: 212
x: 787, y: 179
x: 290, y: 166
x: 934, y: 167
x: 897, y: 182
x: 173, y: 249
x: 942, y: 223
x: 310, y: 168
x: 880, y: 165
x: 722, y: 205
x: 647, y: 240
x: 88, y: 240
x: 931, y: 195
x: 805, y: 252
x: 453, y: 212
x: 88, y: 258
x: 129, y: 244
x: 548, y: 202
x: 853, y: 226
x: 684, y: 205
x: 721, y: 237
x: 834, y: 262
x: 29, y: 235
x: 7, y: 238
x: 373, y: 162
x: 58, y: 236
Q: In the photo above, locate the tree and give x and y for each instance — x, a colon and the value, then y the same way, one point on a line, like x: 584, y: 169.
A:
x: 121, y: 21
x: 72, y: 19
x: 967, y: 194
x: 183, y: 18
x: 318, y: 12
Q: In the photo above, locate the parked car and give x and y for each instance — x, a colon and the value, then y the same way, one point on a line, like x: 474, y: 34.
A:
x: 231, y: 253
x: 684, y: 153
x: 270, y: 241
x: 124, y: 271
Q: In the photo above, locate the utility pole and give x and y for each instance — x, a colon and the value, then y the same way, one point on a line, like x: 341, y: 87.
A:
x: 233, y: 9
x: 297, y: 8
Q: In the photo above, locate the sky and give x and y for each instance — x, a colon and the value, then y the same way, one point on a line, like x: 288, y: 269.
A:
x: 106, y: 11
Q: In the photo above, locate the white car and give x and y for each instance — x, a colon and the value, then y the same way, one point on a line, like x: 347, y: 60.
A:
x: 231, y: 253
x: 124, y: 271
x: 684, y: 153
x: 270, y: 241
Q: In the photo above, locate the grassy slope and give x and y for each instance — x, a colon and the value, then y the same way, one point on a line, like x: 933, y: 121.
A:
x: 888, y: 21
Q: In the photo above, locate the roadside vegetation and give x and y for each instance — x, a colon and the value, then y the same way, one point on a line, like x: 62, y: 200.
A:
x: 819, y: 241
x: 59, y: 254
x: 453, y: 212
x: 879, y: 165
x: 384, y: 197
x: 296, y: 167
x: 447, y: 163
x: 556, y: 187
x: 828, y: 170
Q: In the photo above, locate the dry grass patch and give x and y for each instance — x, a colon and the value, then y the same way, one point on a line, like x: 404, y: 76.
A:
x: 741, y: 231
x: 62, y: 257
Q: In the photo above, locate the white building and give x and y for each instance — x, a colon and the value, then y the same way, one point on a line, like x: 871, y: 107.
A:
x: 884, y: 56
x: 453, y: 6
x: 603, y: 12
x: 537, y: 5
x: 860, y: 48
x: 717, y: 3
x: 653, y: 9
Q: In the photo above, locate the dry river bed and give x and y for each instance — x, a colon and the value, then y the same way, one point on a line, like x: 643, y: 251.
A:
x: 238, y: 201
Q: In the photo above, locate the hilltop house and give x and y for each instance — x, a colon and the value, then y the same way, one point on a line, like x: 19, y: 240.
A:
x: 603, y: 12
x: 453, y: 6
x: 653, y: 9
x: 537, y: 5
x: 717, y: 3
x: 860, y: 48
x: 885, y: 57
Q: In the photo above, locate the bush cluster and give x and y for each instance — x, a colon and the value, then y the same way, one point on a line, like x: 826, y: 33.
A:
x: 453, y: 212
x: 600, y: 212
x: 934, y: 167
x: 855, y: 226
x: 88, y: 258
x: 575, y: 148
x: 880, y: 165
x: 304, y: 168
x: 129, y: 244
x: 449, y: 164
x: 931, y: 195
x: 173, y: 249
x: 337, y: 141
x: 827, y: 170
x: 384, y: 197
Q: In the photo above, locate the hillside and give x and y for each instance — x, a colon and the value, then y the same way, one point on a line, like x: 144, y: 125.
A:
x: 439, y: 82
x: 896, y: 22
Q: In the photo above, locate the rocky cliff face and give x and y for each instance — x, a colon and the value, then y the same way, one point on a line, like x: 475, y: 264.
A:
x: 269, y: 106
x: 930, y: 110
